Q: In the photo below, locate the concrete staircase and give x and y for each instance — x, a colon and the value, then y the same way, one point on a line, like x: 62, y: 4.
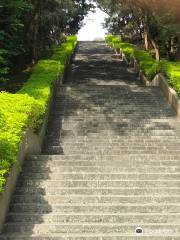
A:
x: 110, y: 167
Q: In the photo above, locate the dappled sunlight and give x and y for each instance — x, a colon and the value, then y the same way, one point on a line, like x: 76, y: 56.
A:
x: 103, y: 99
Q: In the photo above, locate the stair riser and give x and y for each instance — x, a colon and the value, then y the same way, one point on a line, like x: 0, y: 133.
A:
x: 100, y: 191
x: 121, y: 162
x: 92, y: 229
x: 106, y: 151
x: 75, y: 169
x: 46, y: 208
x: 113, y: 157
x: 95, y: 199
x: 86, y: 237
x: 117, y: 219
x: 130, y: 139
x: 92, y: 176
x: 88, y: 142
x: 98, y: 184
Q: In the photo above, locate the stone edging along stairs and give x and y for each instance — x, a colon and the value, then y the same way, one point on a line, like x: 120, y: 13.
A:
x: 110, y: 163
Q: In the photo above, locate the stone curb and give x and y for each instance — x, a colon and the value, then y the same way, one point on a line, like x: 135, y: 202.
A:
x: 31, y: 144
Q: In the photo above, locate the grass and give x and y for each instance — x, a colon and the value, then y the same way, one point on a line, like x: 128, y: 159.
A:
x: 25, y: 109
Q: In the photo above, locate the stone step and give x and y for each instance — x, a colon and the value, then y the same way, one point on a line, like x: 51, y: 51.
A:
x: 166, y: 122
x: 58, y: 139
x: 96, y: 208
x: 144, y: 218
x: 121, y: 116
x: 126, y: 230
x: 113, y: 157
x: 101, y: 169
x: 129, y: 116
x: 121, y: 113
x: 99, y: 176
x: 124, y: 138
x: 87, y: 237
x: 119, y: 109
x: 115, y: 139
x: 67, y: 136
x: 105, y: 151
x: 97, y: 163
x: 98, y: 184
x: 116, y: 147
x: 113, y: 122
x: 88, y: 144
x: 99, y: 191
x: 143, y: 143
x: 113, y: 199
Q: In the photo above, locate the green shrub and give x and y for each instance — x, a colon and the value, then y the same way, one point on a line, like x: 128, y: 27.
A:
x: 116, y: 40
x: 172, y: 71
x: 109, y: 39
x: 72, y: 40
x: 16, y: 112
x: 64, y: 50
x: 127, y: 48
x: 147, y: 63
x: 25, y: 110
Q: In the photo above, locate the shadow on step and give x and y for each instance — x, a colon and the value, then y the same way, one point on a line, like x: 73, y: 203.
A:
x: 29, y: 204
x: 104, y: 100
x: 107, y: 112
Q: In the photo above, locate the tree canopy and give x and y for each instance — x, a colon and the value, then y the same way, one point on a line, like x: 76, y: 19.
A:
x: 155, y: 23
x: 28, y: 27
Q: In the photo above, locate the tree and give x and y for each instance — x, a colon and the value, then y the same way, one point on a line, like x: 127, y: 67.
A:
x: 29, y: 27
x: 157, y: 23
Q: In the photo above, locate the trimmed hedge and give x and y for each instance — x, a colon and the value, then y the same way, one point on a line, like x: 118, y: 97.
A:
x: 25, y: 109
x: 172, y: 71
x: 109, y: 39
x: 127, y: 48
x: 147, y: 63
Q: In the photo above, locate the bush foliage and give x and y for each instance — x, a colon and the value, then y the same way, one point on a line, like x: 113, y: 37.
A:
x: 109, y: 39
x: 172, y: 71
x: 25, y: 109
x: 127, y: 48
x: 147, y: 63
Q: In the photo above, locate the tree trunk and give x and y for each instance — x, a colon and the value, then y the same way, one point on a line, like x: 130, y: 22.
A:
x: 178, y: 51
x: 146, y: 43
x: 157, y: 51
